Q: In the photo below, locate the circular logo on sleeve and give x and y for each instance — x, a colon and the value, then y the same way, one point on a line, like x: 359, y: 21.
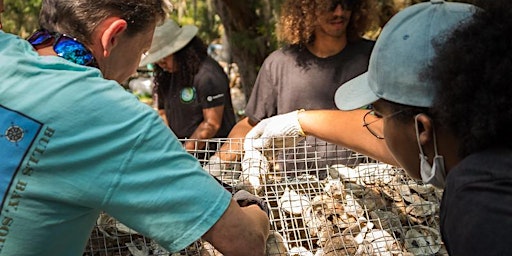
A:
x: 188, y: 94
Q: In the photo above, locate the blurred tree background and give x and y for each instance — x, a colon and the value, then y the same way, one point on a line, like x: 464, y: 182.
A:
x: 245, y: 29
x: 20, y: 17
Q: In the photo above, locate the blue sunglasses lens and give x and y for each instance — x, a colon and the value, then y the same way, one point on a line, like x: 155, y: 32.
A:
x: 73, y: 51
x: 66, y: 47
x: 39, y: 37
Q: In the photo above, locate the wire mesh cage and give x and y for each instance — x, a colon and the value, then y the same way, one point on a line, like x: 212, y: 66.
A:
x: 324, y: 200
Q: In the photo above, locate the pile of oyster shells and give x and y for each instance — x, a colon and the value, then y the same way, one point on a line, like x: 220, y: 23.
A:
x: 372, y: 209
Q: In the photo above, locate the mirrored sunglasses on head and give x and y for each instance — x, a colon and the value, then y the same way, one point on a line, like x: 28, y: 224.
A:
x: 65, y: 46
x: 347, y: 5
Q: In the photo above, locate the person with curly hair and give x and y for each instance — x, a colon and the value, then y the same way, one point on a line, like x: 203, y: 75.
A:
x: 192, y: 89
x: 323, y: 48
x: 472, y: 73
x: 439, y: 85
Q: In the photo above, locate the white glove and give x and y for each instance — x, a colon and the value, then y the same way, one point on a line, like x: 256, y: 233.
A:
x: 275, y: 132
x: 215, y: 166
x: 254, y: 169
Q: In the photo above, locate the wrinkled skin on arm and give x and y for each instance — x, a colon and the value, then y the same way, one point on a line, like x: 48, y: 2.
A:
x: 240, y: 231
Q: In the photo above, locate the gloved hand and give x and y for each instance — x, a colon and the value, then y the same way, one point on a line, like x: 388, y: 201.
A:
x: 244, y: 198
x: 254, y: 169
x: 275, y: 132
x: 215, y: 166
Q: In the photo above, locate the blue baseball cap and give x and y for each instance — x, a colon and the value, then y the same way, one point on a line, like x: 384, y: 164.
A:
x: 401, y: 53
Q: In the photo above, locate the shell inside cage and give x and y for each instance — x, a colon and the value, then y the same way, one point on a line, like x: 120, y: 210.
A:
x: 316, y: 209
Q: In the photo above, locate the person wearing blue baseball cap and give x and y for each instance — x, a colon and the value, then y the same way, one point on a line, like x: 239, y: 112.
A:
x: 438, y: 87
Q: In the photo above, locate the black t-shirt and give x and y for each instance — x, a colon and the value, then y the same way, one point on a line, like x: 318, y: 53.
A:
x: 476, y: 210
x: 293, y: 78
x: 184, y: 106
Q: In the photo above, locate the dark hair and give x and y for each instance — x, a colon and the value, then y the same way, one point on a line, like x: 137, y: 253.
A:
x: 80, y: 18
x: 298, y: 18
x: 472, y: 73
x: 188, y: 60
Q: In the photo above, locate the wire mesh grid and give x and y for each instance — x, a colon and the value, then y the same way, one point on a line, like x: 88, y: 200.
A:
x: 324, y: 200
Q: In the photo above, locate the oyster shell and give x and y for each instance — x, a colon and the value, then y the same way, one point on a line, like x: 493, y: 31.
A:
x: 422, y: 240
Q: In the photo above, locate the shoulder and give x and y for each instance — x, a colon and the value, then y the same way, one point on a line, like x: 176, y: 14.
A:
x: 286, y: 52
x: 211, y: 71
x: 6, y: 39
x: 210, y: 66
x: 13, y: 47
x: 366, y: 42
x: 281, y: 56
x: 362, y: 45
x: 484, y: 166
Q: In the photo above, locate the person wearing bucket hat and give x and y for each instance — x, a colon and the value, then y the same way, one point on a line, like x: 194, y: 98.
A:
x: 168, y: 39
x: 192, y: 89
x: 439, y: 88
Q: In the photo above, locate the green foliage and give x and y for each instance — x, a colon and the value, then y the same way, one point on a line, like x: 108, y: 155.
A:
x: 21, y: 17
x: 201, y: 14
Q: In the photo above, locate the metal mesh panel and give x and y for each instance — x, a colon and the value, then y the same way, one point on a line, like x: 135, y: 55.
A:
x: 324, y: 200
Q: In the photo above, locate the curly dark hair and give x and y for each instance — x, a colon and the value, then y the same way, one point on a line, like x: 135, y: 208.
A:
x: 472, y: 72
x: 188, y: 60
x: 298, y: 18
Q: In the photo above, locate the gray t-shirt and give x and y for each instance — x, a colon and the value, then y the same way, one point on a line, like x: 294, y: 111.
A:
x: 293, y: 78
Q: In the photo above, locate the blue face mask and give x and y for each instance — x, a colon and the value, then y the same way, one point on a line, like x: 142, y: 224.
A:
x: 435, y: 174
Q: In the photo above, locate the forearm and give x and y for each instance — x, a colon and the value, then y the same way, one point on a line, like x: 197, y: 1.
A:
x: 232, y: 149
x: 204, y: 131
x: 259, y: 220
x: 345, y: 128
x: 240, y: 231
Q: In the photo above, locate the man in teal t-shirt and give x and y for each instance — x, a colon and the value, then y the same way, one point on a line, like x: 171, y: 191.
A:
x: 73, y: 143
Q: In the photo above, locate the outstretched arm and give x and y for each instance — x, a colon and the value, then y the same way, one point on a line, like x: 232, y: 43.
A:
x: 345, y: 128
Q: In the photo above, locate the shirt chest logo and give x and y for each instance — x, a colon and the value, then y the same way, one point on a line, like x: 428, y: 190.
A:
x: 188, y: 94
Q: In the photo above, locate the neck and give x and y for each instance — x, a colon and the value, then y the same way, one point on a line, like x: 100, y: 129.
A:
x: 448, y: 148
x: 327, y: 46
x: 46, y: 51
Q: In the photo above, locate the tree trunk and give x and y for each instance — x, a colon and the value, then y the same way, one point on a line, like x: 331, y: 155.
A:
x: 248, y: 44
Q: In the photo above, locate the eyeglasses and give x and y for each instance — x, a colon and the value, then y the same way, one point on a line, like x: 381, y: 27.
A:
x: 65, y: 46
x: 347, y: 5
x: 375, y: 132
